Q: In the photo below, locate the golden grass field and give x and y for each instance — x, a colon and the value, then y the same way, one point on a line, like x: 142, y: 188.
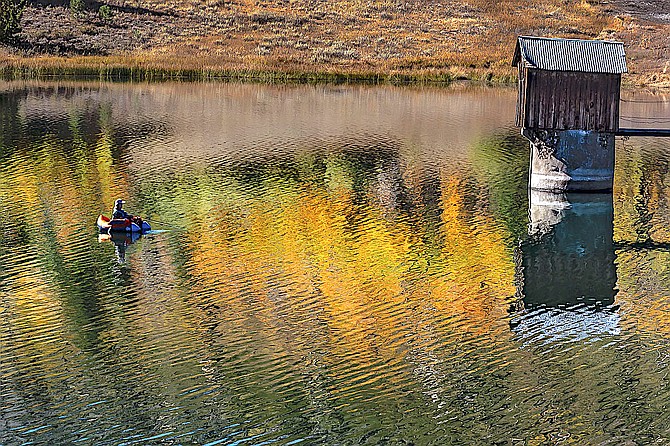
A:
x: 302, y: 40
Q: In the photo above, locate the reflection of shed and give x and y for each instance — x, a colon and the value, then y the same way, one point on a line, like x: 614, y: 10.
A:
x: 569, y: 257
x: 569, y: 84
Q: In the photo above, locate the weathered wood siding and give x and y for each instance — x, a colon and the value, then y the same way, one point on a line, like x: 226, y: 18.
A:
x: 568, y: 100
x: 521, y: 100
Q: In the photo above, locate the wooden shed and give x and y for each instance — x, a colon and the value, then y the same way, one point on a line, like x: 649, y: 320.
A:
x: 569, y: 84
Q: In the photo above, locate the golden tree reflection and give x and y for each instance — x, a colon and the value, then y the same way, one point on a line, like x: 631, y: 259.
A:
x: 362, y: 270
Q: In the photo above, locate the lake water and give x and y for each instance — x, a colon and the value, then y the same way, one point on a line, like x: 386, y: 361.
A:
x: 332, y: 265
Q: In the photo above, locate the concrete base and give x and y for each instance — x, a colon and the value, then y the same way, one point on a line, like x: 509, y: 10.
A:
x: 571, y: 160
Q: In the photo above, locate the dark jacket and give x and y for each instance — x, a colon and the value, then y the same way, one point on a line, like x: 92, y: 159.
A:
x: 120, y: 214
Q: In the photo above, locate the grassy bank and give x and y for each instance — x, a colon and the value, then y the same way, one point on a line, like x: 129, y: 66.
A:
x: 148, y: 69
x: 377, y: 41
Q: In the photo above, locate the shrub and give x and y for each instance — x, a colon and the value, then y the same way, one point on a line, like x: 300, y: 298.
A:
x: 10, y: 18
x: 77, y: 5
x: 105, y: 12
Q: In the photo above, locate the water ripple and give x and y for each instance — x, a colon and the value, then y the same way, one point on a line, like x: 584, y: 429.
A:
x: 355, y: 267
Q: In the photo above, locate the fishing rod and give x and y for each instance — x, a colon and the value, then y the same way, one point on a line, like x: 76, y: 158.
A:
x: 169, y: 225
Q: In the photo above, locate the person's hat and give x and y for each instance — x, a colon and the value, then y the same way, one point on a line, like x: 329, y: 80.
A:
x: 119, y: 201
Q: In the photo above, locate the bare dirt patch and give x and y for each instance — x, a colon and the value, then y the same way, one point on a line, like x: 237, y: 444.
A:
x: 645, y: 29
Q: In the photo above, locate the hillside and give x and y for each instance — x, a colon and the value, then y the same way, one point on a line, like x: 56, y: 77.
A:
x: 405, y: 39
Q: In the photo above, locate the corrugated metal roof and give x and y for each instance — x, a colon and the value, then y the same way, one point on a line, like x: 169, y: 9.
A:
x: 589, y: 56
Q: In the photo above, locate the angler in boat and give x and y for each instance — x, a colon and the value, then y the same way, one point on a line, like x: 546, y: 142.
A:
x: 122, y: 221
x: 118, y: 213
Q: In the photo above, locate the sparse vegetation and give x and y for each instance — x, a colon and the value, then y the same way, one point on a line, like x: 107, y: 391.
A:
x: 77, y: 6
x: 10, y: 18
x: 378, y: 39
x: 105, y: 12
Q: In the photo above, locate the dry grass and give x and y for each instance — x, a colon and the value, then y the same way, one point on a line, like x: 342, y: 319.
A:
x: 386, y: 40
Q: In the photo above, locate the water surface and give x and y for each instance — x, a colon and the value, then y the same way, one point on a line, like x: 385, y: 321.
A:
x: 335, y: 265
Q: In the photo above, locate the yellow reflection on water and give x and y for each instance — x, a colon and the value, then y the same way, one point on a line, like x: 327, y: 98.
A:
x: 358, y: 271
x: 642, y: 230
x: 305, y: 275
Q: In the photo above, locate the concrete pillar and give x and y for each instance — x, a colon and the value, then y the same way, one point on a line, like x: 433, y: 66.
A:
x: 571, y: 160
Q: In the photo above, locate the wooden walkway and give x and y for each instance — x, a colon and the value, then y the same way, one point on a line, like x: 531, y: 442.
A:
x: 642, y: 132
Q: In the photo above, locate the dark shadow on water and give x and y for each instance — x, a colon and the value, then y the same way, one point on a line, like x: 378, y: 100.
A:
x: 566, y: 274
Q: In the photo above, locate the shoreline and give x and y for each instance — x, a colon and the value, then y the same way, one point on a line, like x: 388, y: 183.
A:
x: 340, y: 41
x: 135, y: 68
x: 120, y: 68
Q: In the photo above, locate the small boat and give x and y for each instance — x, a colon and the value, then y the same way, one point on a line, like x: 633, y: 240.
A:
x: 119, y: 238
x: 107, y: 225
